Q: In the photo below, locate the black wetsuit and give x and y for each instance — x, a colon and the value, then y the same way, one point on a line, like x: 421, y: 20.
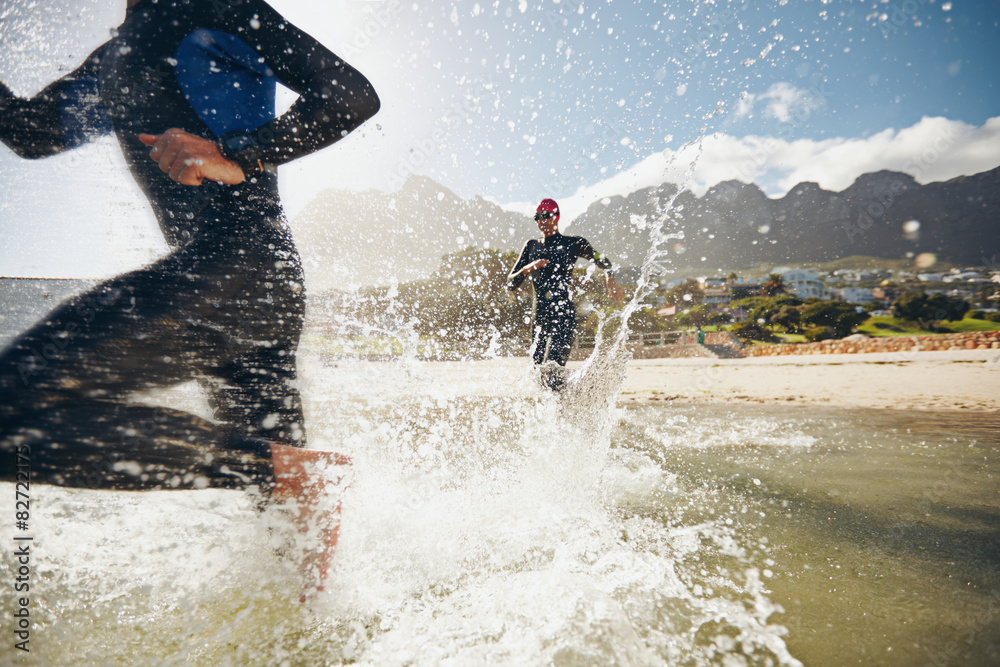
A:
x: 226, y: 306
x: 555, y: 315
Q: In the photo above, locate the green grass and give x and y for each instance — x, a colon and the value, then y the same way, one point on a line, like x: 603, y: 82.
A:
x: 892, y: 326
x: 790, y: 337
x: 971, y: 324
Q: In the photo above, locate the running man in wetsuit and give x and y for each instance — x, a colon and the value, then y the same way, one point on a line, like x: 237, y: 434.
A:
x: 549, y: 264
x: 188, y: 89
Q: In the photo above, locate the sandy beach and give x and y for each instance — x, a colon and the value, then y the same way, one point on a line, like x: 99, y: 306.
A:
x: 956, y: 380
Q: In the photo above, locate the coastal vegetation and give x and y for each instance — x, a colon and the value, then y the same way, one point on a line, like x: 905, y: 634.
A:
x: 464, y: 307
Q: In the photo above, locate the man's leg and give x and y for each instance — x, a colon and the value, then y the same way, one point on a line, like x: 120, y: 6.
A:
x: 556, y: 339
x: 251, y: 389
x: 251, y: 383
x: 541, y: 344
x: 107, y: 445
x: 64, y: 388
x: 562, y: 339
x: 253, y: 394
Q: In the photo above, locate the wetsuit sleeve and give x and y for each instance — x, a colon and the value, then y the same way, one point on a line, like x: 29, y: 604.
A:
x: 64, y: 115
x: 604, y: 263
x: 334, y: 98
x: 586, y: 251
x: 514, y: 279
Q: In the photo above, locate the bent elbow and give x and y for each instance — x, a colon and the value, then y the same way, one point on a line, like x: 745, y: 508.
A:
x: 370, y: 103
x: 362, y: 104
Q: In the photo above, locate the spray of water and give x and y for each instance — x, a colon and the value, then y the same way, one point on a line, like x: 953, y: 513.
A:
x: 486, y: 522
x: 597, y: 382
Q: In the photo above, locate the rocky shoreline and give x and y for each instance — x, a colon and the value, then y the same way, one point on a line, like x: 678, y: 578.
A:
x: 861, y: 344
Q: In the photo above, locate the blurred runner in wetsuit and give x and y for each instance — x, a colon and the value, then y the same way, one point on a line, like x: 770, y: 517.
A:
x: 549, y: 264
x: 188, y: 88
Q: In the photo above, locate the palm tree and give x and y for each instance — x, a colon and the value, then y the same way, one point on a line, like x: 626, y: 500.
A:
x: 775, y: 285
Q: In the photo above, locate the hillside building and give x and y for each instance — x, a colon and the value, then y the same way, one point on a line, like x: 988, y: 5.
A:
x: 803, y: 283
x: 852, y: 294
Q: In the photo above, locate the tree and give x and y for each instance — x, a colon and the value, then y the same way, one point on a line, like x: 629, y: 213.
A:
x: 944, y: 307
x: 695, y: 316
x: 717, y: 318
x: 465, y: 299
x: 926, y: 310
x: 775, y: 285
x: 751, y: 330
x: 765, y: 308
x: 788, y: 317
x: 839, y: 316
x: 739, y: 292
x: 644, y: 320
x: 688, y: 293
x: 910, y: 306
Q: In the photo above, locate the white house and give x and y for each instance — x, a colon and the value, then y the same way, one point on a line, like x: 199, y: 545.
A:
x: 964, y: 277
x: 714, y: 291
x: 716, y: 296
x: 804, y: 284
x: 852, y: 294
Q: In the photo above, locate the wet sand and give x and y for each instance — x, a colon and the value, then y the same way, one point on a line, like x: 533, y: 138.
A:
x: 966, y: 380
x: 956, y: 380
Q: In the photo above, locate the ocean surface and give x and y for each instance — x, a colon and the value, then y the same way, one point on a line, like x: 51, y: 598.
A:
x: 490, y: 522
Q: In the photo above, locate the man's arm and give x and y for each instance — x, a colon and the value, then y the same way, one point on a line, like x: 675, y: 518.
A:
x: 522, y: 268
x: 614, y: 289
x: 334, y: 98
x: 64, y: 115
x: 587, y: 252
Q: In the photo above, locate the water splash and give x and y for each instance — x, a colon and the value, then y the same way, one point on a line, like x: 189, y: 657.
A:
x: 594, y: 386
x: 487, y: 521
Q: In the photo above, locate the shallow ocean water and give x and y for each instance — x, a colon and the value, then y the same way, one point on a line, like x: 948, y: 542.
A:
x: 487, y: 522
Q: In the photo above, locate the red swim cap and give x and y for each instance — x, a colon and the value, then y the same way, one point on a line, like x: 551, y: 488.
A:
x: 549, y: 205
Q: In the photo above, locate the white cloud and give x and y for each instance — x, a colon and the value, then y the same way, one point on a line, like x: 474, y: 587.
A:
x: 783, y: 101
x: 786, y: 101
x: 934, y: 149
x: 744, y: 107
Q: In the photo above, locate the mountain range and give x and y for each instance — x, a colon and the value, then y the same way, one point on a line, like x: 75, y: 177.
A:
x: 371, y: 237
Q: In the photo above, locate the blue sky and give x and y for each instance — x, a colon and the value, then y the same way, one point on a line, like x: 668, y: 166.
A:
x: 621, y: 80
x: 571, y: 99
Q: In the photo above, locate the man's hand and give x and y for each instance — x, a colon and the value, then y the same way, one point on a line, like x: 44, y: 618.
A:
x: 534, y: 266
x: 614, y: 290
x: 189, y: 159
